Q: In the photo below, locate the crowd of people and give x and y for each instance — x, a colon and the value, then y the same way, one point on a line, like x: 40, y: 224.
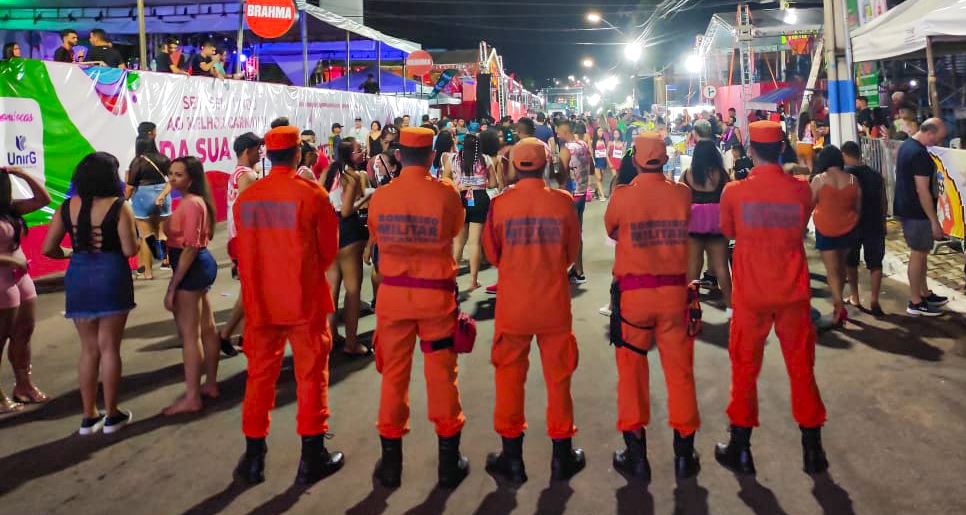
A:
x: 512, y: 193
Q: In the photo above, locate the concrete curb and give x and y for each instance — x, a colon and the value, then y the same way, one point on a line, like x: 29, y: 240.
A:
x: 896, y: 269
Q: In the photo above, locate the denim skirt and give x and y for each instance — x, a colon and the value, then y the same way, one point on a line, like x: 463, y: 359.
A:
x: 98, y: 284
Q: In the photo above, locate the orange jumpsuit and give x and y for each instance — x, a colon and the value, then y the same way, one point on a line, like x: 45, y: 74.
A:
x: 649, y: 219
x: 766, y: 214
x: 532, y: 236
x: 288, y: 236
x: 414, y: 219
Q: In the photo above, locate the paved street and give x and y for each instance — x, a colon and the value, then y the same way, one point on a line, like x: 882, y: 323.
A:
x: 895, y: 390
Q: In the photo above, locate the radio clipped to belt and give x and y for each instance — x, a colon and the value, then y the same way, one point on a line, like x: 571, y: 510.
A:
x: 694, y: 308
x: 616, y: 319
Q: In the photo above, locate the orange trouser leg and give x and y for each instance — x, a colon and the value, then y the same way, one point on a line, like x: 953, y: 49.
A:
x: 749, y: 329
x: 310, y: 351
x: 265, y: 347
x: 441, y: 371
x: 633, y: 390
x: 677, y: 359
x: 558, y: 354
x: 394, y: 342
x: 795, y: 331
x: 510, y: 358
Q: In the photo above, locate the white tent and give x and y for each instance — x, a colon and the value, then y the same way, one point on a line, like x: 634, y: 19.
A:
x: 904, y: 29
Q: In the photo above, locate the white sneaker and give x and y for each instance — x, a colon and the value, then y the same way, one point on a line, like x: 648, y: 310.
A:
x: 605, y: 310
x: 728, y: 313
x: 90, y: 426
x: 117, y: 422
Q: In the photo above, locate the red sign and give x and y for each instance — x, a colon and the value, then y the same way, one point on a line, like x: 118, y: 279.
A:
x: 419, y: 62
x: 270, y: 18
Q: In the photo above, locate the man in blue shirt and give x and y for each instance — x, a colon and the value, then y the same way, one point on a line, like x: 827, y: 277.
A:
x: 542, y: 132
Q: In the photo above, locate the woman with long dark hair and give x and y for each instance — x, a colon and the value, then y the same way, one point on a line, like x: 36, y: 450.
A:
x: 599, y: 147
x: 375, y: 137
x: 148, y: 190
x: 11, y: 50
x: 707, y: 179
x: 191, y: 227
x: 472, y: 172
x: 346, y: 192
x: 444, y: 152
x: 310, y: 156
x: 17, y: 292
x: 98, y: 283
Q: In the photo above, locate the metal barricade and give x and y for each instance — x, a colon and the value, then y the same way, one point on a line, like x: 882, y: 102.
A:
x: 880, y: 154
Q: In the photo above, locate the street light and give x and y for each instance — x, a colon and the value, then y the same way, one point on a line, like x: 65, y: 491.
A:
x: 588, y: 62
x: 790, y: 16
x: 632, y: 51
x: 593, y: 17
x: 693, y: 63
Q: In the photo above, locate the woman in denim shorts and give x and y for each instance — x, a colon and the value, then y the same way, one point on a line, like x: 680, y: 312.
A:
x: 189, y: 230
x: 149, y: 192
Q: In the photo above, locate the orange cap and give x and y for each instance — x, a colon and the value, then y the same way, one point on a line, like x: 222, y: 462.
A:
x: 765, y: 131
x: 281, y: 138
x: 650, y: 150
x: 416, y: 137
x: 529, y: 154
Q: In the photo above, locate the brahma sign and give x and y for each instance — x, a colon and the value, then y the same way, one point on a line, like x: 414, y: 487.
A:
x: 270, y: 18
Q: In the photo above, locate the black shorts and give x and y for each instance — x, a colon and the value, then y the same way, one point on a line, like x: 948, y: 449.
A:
x: 481, y: 206
x: 873, y: 247
x: 351, y: 230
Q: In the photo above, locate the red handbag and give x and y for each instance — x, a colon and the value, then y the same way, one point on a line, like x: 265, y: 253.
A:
x: 464, y: 335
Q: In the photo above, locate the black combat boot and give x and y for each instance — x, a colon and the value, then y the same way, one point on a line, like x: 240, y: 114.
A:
x: 632, y: 461
x: 508, y: 463
x: 453, y: 467
x: 736, y: 455
x: 251, y: 467
x: 686, y: 463
x: 566, y: 461
x: 389, y: 472
x: 813, y: 456
x: 317, y: 462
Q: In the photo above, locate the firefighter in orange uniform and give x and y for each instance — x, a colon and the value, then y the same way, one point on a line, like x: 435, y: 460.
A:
x: 288, y: 236
x: 649, y: 219
x: 414, y: 219
x: 766, y: 214
x: 532, y: 236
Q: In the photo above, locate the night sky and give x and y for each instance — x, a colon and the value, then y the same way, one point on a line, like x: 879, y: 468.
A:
x: 542, y: 39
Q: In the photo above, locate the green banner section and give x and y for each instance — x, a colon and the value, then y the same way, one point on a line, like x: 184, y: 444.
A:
x: 64, y: 146
x: 867, y: 81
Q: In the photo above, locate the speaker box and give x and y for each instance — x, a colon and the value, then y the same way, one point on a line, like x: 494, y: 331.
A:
x: 483, y: 95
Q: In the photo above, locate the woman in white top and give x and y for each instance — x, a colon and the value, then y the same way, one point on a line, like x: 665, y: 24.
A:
x: 472, y: 172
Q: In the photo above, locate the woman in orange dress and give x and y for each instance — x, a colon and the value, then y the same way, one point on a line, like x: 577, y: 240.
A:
x: 837, y: 198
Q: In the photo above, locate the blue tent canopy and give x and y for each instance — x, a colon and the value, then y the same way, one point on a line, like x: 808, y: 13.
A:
x: 769, y: 101
x: 391, y: 83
